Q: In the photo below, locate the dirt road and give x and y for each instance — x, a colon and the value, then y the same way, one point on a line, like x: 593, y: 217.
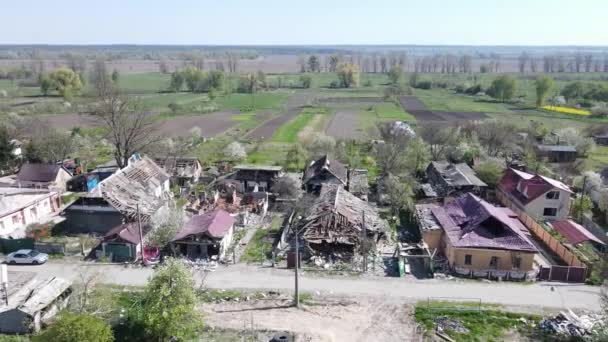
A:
x: 576, y: 296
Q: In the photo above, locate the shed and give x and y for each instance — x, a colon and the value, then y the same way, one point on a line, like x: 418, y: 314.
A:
x: 558, y: 153
x: 574, y: 233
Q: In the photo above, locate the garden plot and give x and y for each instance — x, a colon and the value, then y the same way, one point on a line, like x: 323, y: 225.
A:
x: 210, y: 124
x: 418, y: 109
x: 345, y: 125
x: 267, y: 129
x: 69, y: 121
x: 347, y: 100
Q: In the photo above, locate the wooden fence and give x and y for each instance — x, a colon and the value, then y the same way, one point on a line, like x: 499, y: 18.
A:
x: 542, y: 234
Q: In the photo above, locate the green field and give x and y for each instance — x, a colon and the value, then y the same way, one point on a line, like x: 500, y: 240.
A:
x: 390, y: 110
x: 259, y: 101
x: 288, y: 133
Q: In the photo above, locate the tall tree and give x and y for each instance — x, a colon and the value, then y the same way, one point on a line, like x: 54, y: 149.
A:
x: 99, y: 77
x: 417, y: 155
x: 503, y: 88
x: 395, y: 75
x: 130, y: 129
x: 66, y: 82
x: 348, y: 75
x: 439, y: 137
x: 543, y: 86
x: 6, y: 149
x: 313, y: 64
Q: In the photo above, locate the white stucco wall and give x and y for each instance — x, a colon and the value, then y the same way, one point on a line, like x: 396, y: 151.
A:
x: 537, y: 206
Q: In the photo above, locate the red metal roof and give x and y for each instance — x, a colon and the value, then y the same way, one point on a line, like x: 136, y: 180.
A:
x: 533, y: 185
x: 214, y: 224
x: 574, y: 232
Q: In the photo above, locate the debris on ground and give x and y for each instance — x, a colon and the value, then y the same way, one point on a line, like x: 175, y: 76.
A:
x: 570, y: 324
x: 444, y: 323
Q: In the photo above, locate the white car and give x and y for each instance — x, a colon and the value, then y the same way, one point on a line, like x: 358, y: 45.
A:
x: 27, y: 256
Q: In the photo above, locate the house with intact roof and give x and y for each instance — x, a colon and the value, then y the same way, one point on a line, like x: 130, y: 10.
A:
x: 538, y: 196
x: 205, y: 236
x: 477, y: 237
x: 22, y: 207
x: 43, y: 176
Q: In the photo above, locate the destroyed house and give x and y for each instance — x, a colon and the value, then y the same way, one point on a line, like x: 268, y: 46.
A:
x: 31, y: 302
x: 254, y: 178
x: 183, y: 170
x: 123, y: 242
x: 358, y: 183
x: 205, y: 236
x: 324, y: 171
x: 104, y: 171
x: 453, y: 179
x: 43, y: 176
x: 540, y: 197
x: 137, y: 191
x: 337, y: 222
x: 557, y: 153
x: 476, y: 236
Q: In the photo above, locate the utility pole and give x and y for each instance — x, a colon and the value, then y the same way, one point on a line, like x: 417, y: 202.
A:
x: 297, y: 285
x: 141, y: 236
x: 580, y: 215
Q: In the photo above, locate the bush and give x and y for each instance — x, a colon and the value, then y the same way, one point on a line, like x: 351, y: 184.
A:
x: 473, y: 90
x: 71, y: 327
x: 424, y: 85
x: 174, y: 107
x: 441, y: 84
x: 334, y: 84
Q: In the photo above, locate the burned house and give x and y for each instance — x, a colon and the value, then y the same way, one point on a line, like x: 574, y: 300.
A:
x: 184, y: 171
x: 324, y: 171
x: 205, y: 236
x: 448, y: 179
x: 136, y: 191
x: 338, y: 222
x: 557, y: 153
x: 31, y: 302
x: 254, y: 178
x: 358, y: 183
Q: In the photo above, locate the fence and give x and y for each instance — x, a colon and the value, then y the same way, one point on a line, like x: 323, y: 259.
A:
x: 50, y: 247
x: 576, y: 271
x: 542, y: 234
x: 563, y: 273
x: 10, y: 245
x: 595, y: 229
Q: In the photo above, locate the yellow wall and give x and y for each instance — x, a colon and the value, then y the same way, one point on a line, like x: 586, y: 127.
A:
x: 432, y: 238
x: 481, y: 258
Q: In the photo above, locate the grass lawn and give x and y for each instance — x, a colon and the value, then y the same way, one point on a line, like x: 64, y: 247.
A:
x: 262, y: 100
x: 288, y: 133
x: 160, y: 102
x: 260, y: 245
x: 441, y: 99
x: 268, y: 153
x: 143, y: 83
x: 485, y: 323
x: 598, y: 159
x: 390, y: 110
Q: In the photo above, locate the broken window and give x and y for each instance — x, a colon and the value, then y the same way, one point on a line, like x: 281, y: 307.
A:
x: 553, y: 195
x: 468, y: 259
x: 550, y: 212
x: 517, y: 262
x: 494, y: 262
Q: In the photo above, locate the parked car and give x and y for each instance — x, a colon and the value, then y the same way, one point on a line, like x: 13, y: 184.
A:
x: 27, y: 256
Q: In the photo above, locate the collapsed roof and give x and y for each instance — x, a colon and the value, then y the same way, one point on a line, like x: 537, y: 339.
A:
x: 338, y: 216
x: 326, y: 164
x: 139, y: 183
x: 31, y: 295
x: 180, y: 166
x: 458, y: 174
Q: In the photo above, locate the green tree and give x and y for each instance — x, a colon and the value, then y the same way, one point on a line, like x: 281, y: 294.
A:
x: 417, y: 155
x: 177, y: 81
x: 502, y: 88
x: 581, y: 206
x: 193, y: 78
x: 573, y: 90
x: 348, y: 75
x: 490, y: 171
x: 115, y: 76
x: 313, y: 64
x: 69, y: 327
x: 216, y: 80
x: 168, y: 307
x: 295, y: 158
x: 306, y: 81
x: 395, y: 75
x: 400, y: 193
x: 45, y: 85
x: 6, y: 149
x: 66, y: 82
x: 543, y: 86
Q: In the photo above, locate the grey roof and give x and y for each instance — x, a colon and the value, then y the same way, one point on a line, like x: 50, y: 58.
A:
x: 357, y: 181
x: 326, y: 163
x: 557, y: 148
x: 458, y: 174
x: 258, y: 167
x: 39, y: 172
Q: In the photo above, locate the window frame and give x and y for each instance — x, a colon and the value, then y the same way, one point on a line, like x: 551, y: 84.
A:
x: 468, y: 262
x: 549, y: 208
x: 553, y: 192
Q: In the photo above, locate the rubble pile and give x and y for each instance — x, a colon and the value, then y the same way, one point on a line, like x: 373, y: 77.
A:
x: 444, y: 323
x: 569, y: 324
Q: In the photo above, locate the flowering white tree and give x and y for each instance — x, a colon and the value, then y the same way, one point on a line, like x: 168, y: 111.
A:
x: 166, y: 222
x: 235, y: 151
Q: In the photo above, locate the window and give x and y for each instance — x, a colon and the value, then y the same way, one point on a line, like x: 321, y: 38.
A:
x: 517, y: 262
x: 553, y: 195
x: 550, y: 212
x: 2, y: 225
x: 16, y: 219
x: 494, y: 262
x: 468, y: 259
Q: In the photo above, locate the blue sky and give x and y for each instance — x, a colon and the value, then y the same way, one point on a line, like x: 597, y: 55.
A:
x: 231, y: 22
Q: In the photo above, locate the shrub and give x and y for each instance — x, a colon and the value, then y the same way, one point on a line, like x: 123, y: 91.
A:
x: 334, y: 84
x: 424, y: 85
x: 473, y: 90
x: 71, y: 327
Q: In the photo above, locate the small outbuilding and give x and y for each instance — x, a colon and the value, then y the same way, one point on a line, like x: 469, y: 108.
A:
x: 558, y: 153
x: 43, y: 176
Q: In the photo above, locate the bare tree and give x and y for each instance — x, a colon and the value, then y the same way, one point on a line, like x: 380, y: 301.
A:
x: 439, y: 137
x: 522, y: 60
x: 163, y: 67
x: 100, y: 78
x: 578, y: 61
x: 130, y: 129
x: 588, y: 62
x: 497, y: 137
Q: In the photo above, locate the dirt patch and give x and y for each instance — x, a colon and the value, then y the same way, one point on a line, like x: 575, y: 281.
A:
x: 418, y: 109
x: 69, y: 121
x: 346, y: 100
x: 266, y: 130
x: 324, y: 319
x: 344, y: 125
x: 211, y: 124
x: 310, y: 128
